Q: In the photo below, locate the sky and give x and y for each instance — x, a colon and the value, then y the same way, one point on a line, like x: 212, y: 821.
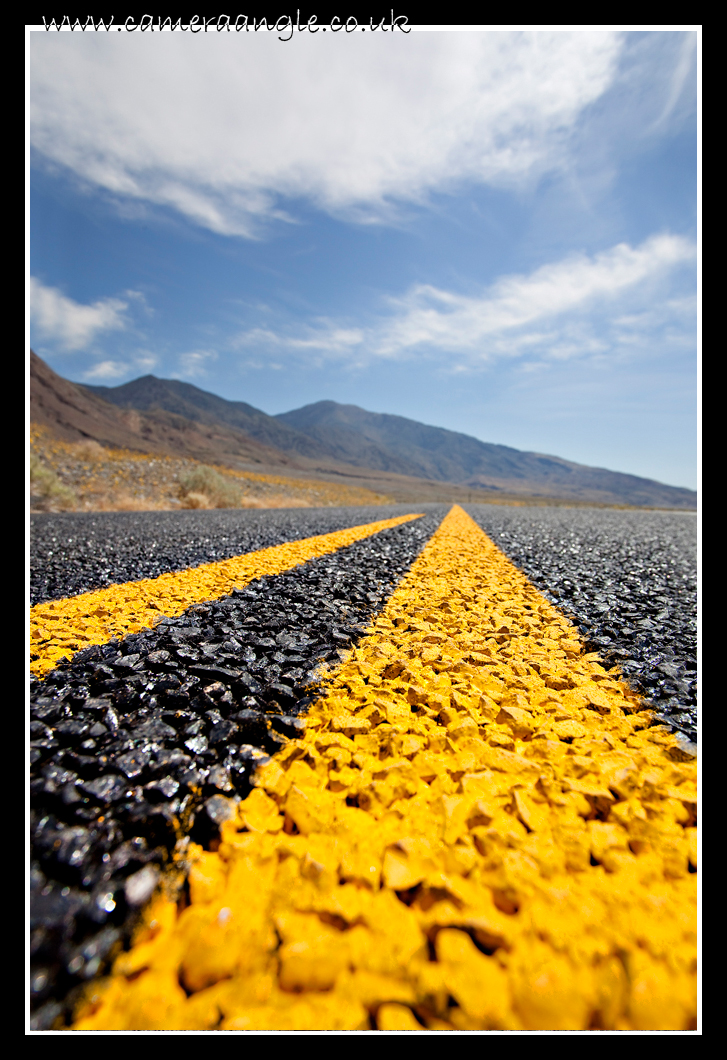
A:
x: 492, y: 231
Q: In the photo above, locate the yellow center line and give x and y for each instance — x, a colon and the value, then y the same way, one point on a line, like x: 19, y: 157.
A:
x: 60, y: 628
x: 478, y: 830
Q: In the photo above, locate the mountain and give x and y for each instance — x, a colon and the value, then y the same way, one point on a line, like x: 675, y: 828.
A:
x: 391, y: 454
x: 199, y: 406
x: 393, y: 443
x: 74, y: 412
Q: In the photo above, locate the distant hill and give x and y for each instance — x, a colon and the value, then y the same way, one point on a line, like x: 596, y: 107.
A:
x: 393, y: 443
x: 389, y: 453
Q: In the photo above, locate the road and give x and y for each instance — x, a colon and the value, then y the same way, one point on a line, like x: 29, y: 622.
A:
x: 170, y: 723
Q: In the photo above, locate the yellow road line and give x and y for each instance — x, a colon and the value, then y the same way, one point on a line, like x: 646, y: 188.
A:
x: 60, y: 628
x: 477, y: 831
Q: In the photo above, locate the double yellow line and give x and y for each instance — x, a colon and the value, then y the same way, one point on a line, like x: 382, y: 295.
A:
x: 60, y: 628
x: 478, y: 830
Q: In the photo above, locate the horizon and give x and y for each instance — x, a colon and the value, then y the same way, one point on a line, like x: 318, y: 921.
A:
x: 507, y: 248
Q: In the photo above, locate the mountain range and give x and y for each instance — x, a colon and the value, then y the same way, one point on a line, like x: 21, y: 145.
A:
x: 328, y: 440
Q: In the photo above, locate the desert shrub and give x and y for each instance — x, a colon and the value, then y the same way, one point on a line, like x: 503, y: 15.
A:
x: 89, y: 450
x: 122, y: 501
x: 196, y: 500
x: 203, y: 483
x: 46, y: 489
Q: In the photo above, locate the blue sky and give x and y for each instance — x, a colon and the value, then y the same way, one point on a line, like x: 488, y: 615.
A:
x: 489, y: 231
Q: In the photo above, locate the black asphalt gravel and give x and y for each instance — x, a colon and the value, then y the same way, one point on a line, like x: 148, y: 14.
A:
x: 74, y: 552
x: 171, y: 723
x: 627, y: 579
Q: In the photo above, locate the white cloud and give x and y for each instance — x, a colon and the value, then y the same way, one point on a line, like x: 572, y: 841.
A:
x: 106, y: 370
x: 324, y: 335
x: 194, y: 363
x: 679, y: 79
x: 217, y: 127
x: 72, y: 326
x: 675, y: 310
x: 579, y: 307
x: 145, y: 361
x: 495, y: 322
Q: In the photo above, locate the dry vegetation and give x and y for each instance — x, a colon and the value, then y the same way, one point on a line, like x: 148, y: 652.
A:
x: 84, y: 476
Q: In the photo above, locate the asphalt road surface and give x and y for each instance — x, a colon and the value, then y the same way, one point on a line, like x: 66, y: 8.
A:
x: 626, y: 578
x: 131, y: 736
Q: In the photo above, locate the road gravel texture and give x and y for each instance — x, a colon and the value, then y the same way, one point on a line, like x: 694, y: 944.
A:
x: 170, y: 723
x: 126, y: 737
x: 72, y: 552
x: 627, y: 579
